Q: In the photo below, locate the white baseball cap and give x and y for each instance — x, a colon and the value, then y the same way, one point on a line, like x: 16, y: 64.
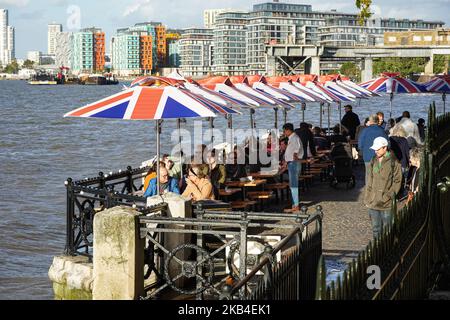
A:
x: 379, y: 143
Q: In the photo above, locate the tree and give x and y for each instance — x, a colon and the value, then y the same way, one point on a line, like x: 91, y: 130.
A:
x: 13, y: 67
x: 351, y: 70
x: 28, y: 64
x: 364, y: 11
x: 405, y: 66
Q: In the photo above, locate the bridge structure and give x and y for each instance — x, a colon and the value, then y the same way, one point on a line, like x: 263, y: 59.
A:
x: 292, y: 56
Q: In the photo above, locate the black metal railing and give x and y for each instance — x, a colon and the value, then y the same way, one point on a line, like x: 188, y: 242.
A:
x: 293, y: 278
x: 87, y: 197
x: 411, y: 254
x: 222, y: 238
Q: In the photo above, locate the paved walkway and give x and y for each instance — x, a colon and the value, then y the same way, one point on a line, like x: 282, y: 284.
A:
x: 346, y: 225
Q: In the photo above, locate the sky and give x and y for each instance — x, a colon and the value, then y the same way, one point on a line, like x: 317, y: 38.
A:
x: 31, y: 17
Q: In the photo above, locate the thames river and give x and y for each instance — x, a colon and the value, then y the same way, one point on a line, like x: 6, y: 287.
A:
x: 39, y: 150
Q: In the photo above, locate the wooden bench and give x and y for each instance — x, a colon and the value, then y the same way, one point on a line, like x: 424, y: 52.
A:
x: 260, y: 196
x: 242, y: 205
x: 279, y: 188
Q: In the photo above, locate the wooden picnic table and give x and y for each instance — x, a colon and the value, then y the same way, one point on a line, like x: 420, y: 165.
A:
x: 268, y: 174
x: 228, y: 192
x: 246, y: 184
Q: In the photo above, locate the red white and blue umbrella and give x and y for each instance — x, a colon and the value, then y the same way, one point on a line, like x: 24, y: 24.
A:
x: 392, y: 83
x: 300, y: 90
x: 440, y: 84
x: 275, y: 102
x: 147, y: 103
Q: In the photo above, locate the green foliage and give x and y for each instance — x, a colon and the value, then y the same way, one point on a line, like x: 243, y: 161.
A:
x: 28, y: 64
x: 13, y: 67
x: 440, y: 63
x: 406, y: 66
x: 351, y: 70
x: 364, y: 10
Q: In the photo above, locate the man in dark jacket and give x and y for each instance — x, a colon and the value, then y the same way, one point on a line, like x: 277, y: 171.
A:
x: 384, y: 182
x: 307, y: 137
x: 350, y: 121
x: 366, y: 139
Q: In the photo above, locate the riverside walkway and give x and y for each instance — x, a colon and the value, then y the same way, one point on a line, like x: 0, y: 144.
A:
x: 346, y: 224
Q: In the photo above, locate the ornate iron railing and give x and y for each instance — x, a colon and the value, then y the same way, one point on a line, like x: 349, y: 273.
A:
x: 411, y: 254
x: 221, y: 252
x: 292, y: 278
x: 87, y: 197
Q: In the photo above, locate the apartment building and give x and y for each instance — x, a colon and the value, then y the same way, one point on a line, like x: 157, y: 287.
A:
x: 88, y: 51
x: 437, y: 37
x: 230, y: 43
x: 196, y: 51
x: 346, y: 31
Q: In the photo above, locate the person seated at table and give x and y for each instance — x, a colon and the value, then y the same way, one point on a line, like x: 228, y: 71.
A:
x: 320, y: 140
x: 337, y: 135
x: 173, y: 165
x: 217, y: 172
x: 283, y: 146
x: 166, y: 184
x: 198, y: 186
x: 200, y: 159
x: 152, y: 174
x: 235, y: 166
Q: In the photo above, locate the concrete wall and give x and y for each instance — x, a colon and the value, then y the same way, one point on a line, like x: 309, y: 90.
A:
x: 72, y: 278
x: 118, y: 255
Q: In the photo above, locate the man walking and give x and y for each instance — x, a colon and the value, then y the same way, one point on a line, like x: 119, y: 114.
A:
x: 384, y: 182
x: 366, y: 139
x: 292, y: 155
x: 350, y: 121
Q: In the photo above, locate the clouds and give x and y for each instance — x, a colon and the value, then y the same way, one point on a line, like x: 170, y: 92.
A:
x: 13, y: 3
x: 137, y: 5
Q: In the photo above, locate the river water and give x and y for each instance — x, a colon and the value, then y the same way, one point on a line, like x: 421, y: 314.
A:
x: 39, y: 150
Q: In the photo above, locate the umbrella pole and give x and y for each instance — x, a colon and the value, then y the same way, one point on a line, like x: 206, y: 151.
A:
x: 179, y: 141
x: 211, y: 126
x: 329, y: 119
x: 391, y: 99
x: 321, y: 115
x: 285, y: 115
x: 252, y: 123
x: 276, y: 117
x: 444, y: 97
x: 340, y: 117
x: 303, y: 111
x: 158, y: 152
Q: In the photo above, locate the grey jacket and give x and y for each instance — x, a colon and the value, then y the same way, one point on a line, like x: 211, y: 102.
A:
x: 384, y: 180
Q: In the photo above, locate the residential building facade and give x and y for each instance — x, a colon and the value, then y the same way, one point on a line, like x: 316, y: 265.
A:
x: 437, y: 37
x: 346, y: 31
x: 34, y: 56
x: 88, y: 51
x: 64, y: 49
x: 53, y: 29
x: 173, y: 49
x: 7, y: 39
x: 196, y: 51
x: 125, y: 54
x: 209, y: 17
x: 230, y: 43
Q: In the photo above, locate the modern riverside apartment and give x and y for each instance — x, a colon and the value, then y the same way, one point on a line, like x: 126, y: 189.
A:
x: 273, y: 23
x: 230, y: 34
x: 196, y: 51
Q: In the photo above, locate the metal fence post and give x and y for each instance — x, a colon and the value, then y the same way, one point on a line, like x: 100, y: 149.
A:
x: 268, y: 273
x: 129, y: 180
x: 69, y: 250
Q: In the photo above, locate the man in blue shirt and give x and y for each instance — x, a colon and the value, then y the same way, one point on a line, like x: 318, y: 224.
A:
x: 366, y: 139
x: 166, y: 184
